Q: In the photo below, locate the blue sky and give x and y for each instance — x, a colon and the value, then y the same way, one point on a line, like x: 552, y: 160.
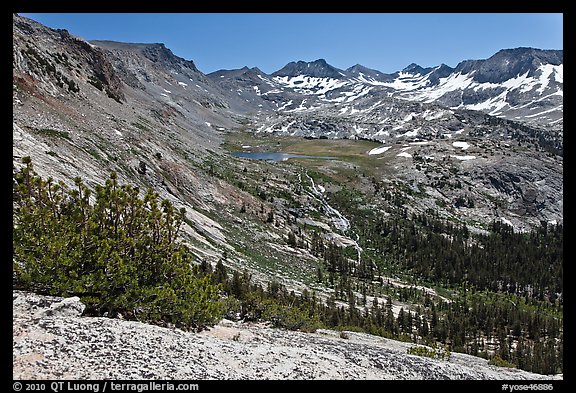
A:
x: 385, y: 42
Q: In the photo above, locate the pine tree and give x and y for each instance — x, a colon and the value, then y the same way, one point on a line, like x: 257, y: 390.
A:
x: 424, y: 329
x: 319, y: 275
x: 120, y: 254
x: 220, y: 274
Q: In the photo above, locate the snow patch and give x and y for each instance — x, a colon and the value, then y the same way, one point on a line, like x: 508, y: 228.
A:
x: 300, y: 108
x: 559, y: 73
x: 358, y: 129
x: 463, y: 158
x: 506, y: 221
x: 273, y: 91
x: 379, y: 150
x: 462, y: 145
x: 310, y: 85
x: 285, y: 105
x: 560, y: 108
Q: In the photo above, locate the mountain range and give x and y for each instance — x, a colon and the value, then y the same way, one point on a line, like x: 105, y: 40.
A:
x: 519, y: 84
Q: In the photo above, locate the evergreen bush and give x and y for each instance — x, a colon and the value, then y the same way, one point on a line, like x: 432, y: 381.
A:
x: 118, y: 252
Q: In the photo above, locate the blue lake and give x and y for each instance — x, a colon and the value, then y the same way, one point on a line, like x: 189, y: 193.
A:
x: 273, y: 156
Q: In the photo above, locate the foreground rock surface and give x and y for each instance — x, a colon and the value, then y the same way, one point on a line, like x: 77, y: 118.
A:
x: 52, y: 341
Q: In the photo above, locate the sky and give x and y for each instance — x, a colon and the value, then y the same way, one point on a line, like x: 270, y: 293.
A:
x: 386, y: 42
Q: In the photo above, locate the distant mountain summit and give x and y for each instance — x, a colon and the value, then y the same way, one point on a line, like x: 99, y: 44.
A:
x: 452, y: 152
x: 416, y: 69
x: 240, y: 73
x: 521, y: 84
x: 366, y: 74
x: 318, y: 68
x: 156, y: 53
x: 510, y: 63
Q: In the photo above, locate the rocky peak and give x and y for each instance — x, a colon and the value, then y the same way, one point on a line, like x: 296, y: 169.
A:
x: 555, y: 57
x: 257, y: 70
x: 358, y: 69
x: 59, y: 62
x: 510, y: 63
x: 442, y: 71
x: 251, y: 72
x: 156, y: 53
x: 240, y: 73
x: 159, y: 53
x: 318, y: 68
x: 414, y: 68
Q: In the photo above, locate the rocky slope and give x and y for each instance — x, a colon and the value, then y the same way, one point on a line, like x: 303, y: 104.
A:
x: 51, y: 340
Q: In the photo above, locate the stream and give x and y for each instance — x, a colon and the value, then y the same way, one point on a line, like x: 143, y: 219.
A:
x: 338, y: 220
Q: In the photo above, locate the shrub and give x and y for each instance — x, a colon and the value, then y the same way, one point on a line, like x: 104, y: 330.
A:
x: 54, y: 133
x: 498, y: 361
x: 119, y: 254
x: 96, y: 83
x: 286, y: 317
x: 433, y: 352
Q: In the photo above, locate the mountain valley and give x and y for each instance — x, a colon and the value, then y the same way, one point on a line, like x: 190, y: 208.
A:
x: 425, y: 197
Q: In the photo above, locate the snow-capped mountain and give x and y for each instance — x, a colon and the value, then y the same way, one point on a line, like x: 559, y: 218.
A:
x: 522, y: 84
x: 252, y: 90
x: 318, y: 69
x: 368, y: 75
x: 318, y: 100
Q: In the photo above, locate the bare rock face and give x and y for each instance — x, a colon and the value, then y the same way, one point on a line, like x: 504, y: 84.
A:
x: 52, y: 341
x: 62, y: 68
x: 69, y: 307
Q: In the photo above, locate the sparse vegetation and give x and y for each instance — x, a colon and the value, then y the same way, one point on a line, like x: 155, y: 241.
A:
x: 141, y: 126
x: 97, y: 83
x: 54, y: 133
x: 433, y: 352
x: 499, y: 362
